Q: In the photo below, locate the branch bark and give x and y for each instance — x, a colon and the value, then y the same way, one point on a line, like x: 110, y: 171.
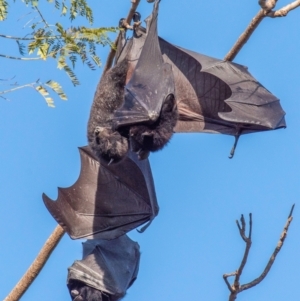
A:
x: 236, y: 288
x: 37, y: 265
x: 266, y: 11
x: 282, y: 12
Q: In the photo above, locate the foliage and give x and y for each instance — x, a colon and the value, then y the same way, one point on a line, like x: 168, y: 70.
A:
x: 66, y: 45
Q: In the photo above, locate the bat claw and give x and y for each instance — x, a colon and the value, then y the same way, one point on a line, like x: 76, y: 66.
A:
x: 110, y: 162
x: 74, y: 293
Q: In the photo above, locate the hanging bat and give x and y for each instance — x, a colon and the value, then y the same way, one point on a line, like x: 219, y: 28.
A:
x: 107, y: 269
x: 202, y: 94
x: 106, y: 201
x: 141, y: 109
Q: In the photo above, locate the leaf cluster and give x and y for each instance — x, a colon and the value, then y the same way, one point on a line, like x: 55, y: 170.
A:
x: 67, y: 45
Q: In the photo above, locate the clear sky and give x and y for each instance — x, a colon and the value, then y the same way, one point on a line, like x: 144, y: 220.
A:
x: 194, y: 239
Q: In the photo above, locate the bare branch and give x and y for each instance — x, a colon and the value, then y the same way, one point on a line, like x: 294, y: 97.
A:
x: 17, y: 88
x: 266, y: 11
x: 37, y: 265
x: 43, y: 19
x: 244, y: 37
x: 236, y: 288
x: 282, y: 12
x: 273, y: 257
x: 20, y: 58
x: 112, y: 52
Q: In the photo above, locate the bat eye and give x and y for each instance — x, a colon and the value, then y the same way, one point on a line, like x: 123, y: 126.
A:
x: 136, y: 17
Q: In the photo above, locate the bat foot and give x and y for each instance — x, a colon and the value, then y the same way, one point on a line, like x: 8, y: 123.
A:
x: 109, y: 145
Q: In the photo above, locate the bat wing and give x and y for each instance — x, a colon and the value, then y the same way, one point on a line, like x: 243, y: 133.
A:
x: 106, y: 201
x: 218, y: 96
x: 109, y: 266
x: 213, y: 95
x: 151, y: 81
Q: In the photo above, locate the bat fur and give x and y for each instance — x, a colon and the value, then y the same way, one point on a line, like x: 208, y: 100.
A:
x: 112, y: 145
x: 104, y: 141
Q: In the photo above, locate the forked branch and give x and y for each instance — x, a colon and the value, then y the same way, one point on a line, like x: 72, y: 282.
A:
x: 236, y: 287
x: 266, y: 11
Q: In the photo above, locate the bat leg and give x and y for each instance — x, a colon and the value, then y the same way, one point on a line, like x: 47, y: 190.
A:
x: 109, y: 145
x: 237, y: 136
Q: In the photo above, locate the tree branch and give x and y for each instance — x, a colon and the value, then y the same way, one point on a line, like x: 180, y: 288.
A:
x: 37, y: 265
x: 17, y: 88
x: 266, y: 11
x: 244, y: 37
x: 282, y: 12
x: 236, y: 288
x: 273, y: 257
x: 20, y: 58
x: 112, y: 52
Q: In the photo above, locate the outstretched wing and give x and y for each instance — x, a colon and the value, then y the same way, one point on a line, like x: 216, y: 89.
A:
x: 150, y: 83
x: 219, y: 96
x: 106, y: 201
x: 212, y: 95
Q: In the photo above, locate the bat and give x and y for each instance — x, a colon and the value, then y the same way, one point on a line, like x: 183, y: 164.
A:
x: 107, y: 269
x: 212, y: 95
x: 171, y: 89
x: 140, y: 109
x: 106, y: 201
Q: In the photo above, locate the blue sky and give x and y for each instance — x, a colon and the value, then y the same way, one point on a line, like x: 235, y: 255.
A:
x: 194, y: 239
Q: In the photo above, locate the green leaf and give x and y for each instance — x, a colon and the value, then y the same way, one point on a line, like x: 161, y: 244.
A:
x: 46, y: 96
x: 57, y: 88
x: 3, y: 10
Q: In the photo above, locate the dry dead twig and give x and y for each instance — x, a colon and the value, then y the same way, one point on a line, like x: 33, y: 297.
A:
x: 236, y: 287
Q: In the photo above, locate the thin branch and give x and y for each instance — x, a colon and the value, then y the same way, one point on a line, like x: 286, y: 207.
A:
x: 244, y: 37
x: 112, y: 52
x: 43, y: 19
x: 20, y: 58
x: 266, y: 11
x: 282, y: 12
x: 273, y: 257
x: 248, y: 242
x: 236, y: 288
x: 16, y: 88
x: 37, y: 265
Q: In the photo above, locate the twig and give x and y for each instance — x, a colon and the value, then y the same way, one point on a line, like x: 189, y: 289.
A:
x: 36, y: 266
x: 16, y: 88
x: 43, y: 19
x: 244, y: 37
x: 266, y: 11
x: 282, y: 12
x: 112, y: 52
x: 20, y: 58
x: 236, y: 288
x: 272, y: 258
